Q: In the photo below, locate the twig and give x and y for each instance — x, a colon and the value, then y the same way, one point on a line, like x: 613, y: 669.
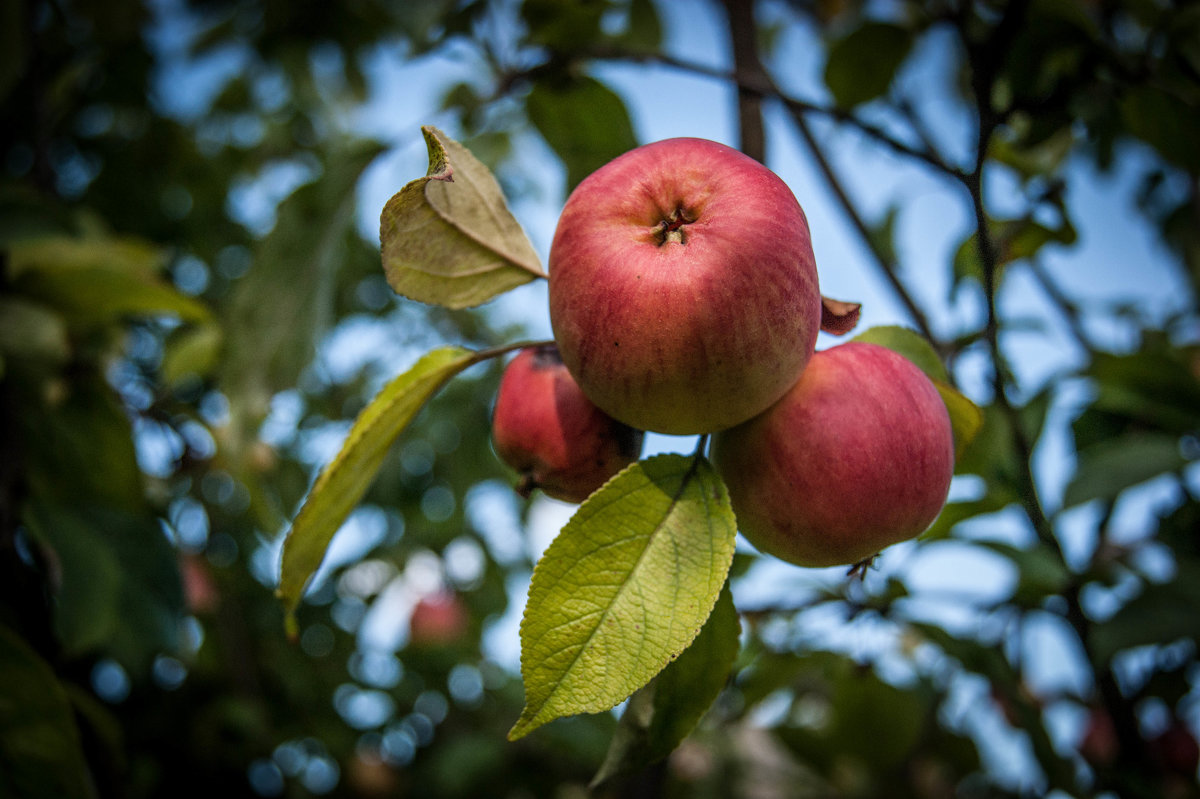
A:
x: 885, y: 265
x: 743, y: 37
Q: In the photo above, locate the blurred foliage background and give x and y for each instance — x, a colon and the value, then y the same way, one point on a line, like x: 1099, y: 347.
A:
x: 191, y: 312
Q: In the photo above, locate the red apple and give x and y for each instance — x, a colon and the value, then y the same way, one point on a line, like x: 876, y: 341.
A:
x: 858, y: 455
x: 544, y: 427
x: 1099, y: 744
x: 1175, y: 750
x: 683, y: 287
x: 438, y: 620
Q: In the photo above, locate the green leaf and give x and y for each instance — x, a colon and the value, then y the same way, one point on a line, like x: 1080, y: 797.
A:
x: 343, y: 482
x: 1107, y: 468
x: 120, y: 592
x: 192, y: 351
x: 624, y: 588
x: 40, y: 749
x: 448, y: 238
x: 875, y: 721
x: 1166, y: 122
x: 966, y: 418
x: 666, y: 711
x: 1156, y: 387
x: 1014, y: 240
x: 643, y: 33
x: 563, y: 25
x: 32, y: 330
x: 583, y: 121
x: 89, y: 597
x: 98, y: 280
x: 862, y: 64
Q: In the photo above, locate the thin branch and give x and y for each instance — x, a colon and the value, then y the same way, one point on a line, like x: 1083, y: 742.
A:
x: 885, y: 265
x: 764, y: 87
x: 743, y: 36
x: 1070, y: 311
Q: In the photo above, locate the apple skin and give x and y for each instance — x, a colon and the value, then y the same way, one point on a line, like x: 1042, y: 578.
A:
x: 683, y: 287
x: 438, y: 620
x: 544, y: 427
x: 858, y: 455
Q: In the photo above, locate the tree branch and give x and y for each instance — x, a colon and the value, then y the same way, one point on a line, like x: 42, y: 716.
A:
x: 885, y: 265
x: 743, y: 37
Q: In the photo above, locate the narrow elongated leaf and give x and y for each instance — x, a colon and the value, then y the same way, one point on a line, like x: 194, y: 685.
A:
x: 96, y: 280
x: 666, y: 711
x: 624, y: 588
x: 965, y: 416
x: 343, y: 482
x: 448, y: 238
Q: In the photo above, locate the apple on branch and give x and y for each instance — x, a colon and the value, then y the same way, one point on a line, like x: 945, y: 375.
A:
x: 544, y: 427
x: 857, y: 456
x: 683, y: 287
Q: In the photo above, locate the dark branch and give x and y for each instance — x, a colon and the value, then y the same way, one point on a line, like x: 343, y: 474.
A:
x: 743, y: 36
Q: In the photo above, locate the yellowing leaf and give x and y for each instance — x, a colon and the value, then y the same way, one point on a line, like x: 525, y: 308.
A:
x: 624, y: 588
x: 448, y: 238
x: 966, y: 418
x: 344, y: 481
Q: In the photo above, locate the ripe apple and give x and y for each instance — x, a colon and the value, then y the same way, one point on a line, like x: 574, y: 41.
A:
x: 683, y: 287
x: 1175, y: 750
x: 858, y: 455
x: 544, y: 427
x: 438, y: 620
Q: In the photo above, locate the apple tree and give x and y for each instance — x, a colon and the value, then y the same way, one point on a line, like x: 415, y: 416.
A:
x: 240, y: 436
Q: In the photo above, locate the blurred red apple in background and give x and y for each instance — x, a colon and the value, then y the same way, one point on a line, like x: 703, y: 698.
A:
x: 683, y: 287
x: 438, y: 620
x: 856, y: 456
x: 544, y: 427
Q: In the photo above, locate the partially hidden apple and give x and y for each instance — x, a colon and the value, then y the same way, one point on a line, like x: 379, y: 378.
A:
x: 857, y: 456
x: 544, y: 427
x: 683, y: 287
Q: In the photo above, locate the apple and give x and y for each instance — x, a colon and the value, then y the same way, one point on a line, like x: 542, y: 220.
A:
x: 544, y: 427
x: 438, y: 620
x: 1099, y: 743
x: 683, y: 287
x: 856, y: 456
x: 1175, y: 750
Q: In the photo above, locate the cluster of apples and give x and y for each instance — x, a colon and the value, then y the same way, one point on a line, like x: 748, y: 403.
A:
x: 684, y: 300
